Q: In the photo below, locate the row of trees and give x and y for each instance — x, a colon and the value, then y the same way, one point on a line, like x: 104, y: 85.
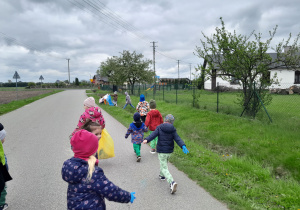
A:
x: 129, y: 67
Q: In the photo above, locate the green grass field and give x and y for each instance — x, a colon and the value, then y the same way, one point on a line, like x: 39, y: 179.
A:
x: 246, y: 163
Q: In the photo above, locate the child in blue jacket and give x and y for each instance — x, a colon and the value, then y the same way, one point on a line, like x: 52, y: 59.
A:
x: 136, y: 129
x: 88, y: 185
x: 167, y: 134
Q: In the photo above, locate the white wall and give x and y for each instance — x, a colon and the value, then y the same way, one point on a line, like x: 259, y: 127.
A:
x: 286, y: 78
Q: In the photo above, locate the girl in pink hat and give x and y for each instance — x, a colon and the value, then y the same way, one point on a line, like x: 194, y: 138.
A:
x: 88, y: 186
x: 91, y: 112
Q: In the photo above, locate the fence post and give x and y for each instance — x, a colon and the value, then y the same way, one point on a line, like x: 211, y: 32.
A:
x: 163, y: 92
x: 217, y: 97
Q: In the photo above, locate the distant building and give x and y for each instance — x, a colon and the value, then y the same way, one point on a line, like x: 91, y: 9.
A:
x: 286, y: 77
x: 99, y: 80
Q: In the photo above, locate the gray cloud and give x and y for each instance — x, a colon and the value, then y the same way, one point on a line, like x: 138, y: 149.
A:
x: 40, y: 35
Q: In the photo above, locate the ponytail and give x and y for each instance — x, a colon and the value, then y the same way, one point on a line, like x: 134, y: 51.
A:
x: 92, y: 161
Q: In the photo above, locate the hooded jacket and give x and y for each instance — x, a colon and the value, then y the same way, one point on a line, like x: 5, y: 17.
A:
x: 128, y: 100
x: 153, y: 119
x: 143, y: 108
x: 83, y: 195
x: 136, y: 129
x: 92, y: 113
x: 167, y: 134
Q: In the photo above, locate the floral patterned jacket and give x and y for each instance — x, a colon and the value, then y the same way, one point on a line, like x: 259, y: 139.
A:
x: 89, y: 195
x: 143, y: 108
x: 92, y: 113
x: 137, y: 132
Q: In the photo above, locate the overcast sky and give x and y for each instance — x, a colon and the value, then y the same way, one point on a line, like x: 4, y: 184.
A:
x: 37, y: 36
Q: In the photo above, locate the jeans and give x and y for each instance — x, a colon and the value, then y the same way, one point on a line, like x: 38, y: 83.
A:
x: 127, y: 104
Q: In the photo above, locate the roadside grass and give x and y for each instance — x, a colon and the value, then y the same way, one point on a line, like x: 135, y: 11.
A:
x: 5, y: 108
x: 247, y: 164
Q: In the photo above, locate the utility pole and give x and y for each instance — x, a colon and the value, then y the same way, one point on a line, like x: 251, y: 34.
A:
x: 177, y: 81
x: 68, y: 69
x: 154, y: 89
x: 190, y: 73
x: 178, y: 70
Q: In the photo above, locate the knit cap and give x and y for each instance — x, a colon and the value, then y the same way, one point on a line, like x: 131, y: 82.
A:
x: 2, y: 134
x: 142, y: 98
x: 169, y: 118
x: 152, y: 104
x: 89, y: 102
x: 136, y: 117
x: 84, y: 144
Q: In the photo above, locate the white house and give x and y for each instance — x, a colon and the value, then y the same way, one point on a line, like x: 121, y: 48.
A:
x: 285, y: 77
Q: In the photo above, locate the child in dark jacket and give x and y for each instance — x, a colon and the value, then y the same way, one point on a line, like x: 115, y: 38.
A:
x: 167, y: 134
x: 88, y: 185
x: 136, y: 129
x: 153, y: 119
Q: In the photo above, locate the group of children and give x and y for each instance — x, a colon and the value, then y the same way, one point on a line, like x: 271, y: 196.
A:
x: 161, y: 138
x: 88, y: 186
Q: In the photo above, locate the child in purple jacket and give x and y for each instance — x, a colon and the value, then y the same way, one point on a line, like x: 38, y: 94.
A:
x: 88, y: 186
x: 137, y: 129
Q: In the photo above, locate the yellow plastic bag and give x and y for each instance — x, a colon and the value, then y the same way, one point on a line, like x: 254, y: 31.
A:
x: 106, y: 146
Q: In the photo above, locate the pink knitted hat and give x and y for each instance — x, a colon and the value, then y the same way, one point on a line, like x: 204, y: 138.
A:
x: 89, y: 102
x: 84, y: 144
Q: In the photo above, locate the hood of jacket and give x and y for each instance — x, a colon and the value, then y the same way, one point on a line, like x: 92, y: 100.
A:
x: 167, y: 127
x: 137, y: 125
x: 154, y: 113
x: 75, y: 170
x: 94, y: 112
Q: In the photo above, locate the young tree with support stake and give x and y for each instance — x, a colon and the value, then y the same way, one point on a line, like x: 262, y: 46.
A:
x: 231, y: 55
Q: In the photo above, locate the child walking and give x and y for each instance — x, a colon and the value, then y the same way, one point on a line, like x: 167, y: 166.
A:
x: 115, y: 98
x: 153, y: 119
x: 136, y: 129
x: 91, y: 112
x: 4, y: 175
x: 128, y: 101
x: 88, y: 186
x: 167, y: 134
x: 143, y: 107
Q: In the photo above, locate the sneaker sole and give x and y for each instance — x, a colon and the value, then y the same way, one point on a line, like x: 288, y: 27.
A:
x: 152, y: 152
x: 138, y: 159
x: 174, y: 188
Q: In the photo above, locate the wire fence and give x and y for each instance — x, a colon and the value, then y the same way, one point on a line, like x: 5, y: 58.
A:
x: 284, y: 106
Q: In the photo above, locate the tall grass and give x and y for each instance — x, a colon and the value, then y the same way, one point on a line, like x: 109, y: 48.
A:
x: 246, y: 163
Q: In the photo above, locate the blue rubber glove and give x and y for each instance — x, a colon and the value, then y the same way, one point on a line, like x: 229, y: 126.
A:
x: 132, y: 197
x: 185, y: 150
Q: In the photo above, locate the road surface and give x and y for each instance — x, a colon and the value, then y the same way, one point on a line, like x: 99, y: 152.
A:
x: 37, y: 144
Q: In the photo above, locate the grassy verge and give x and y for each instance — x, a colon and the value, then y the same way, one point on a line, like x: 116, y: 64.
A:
x: 244, y: 163
x: 5, y: 108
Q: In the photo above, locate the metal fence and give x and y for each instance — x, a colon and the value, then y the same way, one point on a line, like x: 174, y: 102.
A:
x: 224, y: 99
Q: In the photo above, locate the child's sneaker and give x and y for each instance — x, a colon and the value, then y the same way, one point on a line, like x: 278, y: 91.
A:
x: 4, y: 206
x: 173, y: 187
x: 152, y: 151
x: 162, y: 177
x: 138, y: 158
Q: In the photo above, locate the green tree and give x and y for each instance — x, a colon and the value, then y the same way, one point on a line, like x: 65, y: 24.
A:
x: 238, y: 57
x: 31, y: 84
x: 76, y: 81
x: 128, y: 67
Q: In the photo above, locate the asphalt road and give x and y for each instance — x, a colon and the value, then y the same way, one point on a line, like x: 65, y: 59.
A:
x: 37, y: 144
